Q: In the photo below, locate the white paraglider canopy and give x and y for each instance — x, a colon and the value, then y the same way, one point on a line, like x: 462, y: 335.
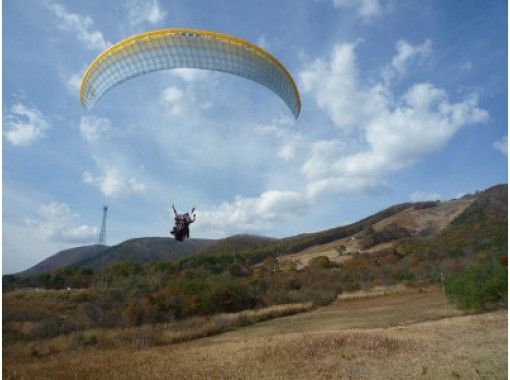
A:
x: 175, y: 48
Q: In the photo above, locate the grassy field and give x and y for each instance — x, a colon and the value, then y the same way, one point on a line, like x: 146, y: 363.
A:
x: 398, y: 308
x: 403, y: 334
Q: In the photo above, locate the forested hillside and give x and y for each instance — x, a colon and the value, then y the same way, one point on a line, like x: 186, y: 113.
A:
x: 229, y: 277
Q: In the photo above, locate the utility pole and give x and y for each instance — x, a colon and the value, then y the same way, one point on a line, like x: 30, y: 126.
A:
x: 101, y: 246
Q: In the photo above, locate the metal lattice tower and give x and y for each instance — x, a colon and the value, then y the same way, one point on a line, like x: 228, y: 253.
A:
x: 102, y: 234
x: 100, y: 247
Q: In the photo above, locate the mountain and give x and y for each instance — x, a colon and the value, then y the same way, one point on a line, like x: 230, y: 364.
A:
x: 494, y: 200
x: 146, y: 249
x: 297, y: 243
x: 376, y: 232
x: 237, y: 243
x: 458, y: 220
x: 61, y: 259
x: 138, y: 250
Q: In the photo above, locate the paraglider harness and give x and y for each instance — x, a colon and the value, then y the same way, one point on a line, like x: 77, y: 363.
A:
x: 182, y: 222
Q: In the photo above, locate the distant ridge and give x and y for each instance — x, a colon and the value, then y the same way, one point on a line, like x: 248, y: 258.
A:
x: 237, y: 243
x: 139, y: 250
x: 147, y: 249
x: 142, y: 250
x: 61, y: 259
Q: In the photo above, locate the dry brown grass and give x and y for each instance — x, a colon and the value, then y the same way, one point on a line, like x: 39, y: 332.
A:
x: 344, y: 340
x: 377, y: 291
x: 220, y: 323
x: 398, y: 309
x: 147, y: 335
x: 470, y: 347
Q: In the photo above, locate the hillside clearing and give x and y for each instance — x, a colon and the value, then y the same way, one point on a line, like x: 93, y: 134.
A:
x: 429, y: 220
x: 398, y: 335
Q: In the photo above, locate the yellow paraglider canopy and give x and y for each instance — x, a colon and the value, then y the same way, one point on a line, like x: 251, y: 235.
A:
x: 176, y: 48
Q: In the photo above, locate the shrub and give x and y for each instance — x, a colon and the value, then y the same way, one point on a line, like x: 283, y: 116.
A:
x: 83, y: 340
x: 34, y: 353
x: 403, y: 275
x: 340, y: 249
x: 426, y: 204
x: 133, y: 314
x: 237, y: 270
x: 270, y: 265
x: 146, y: 336
x: 9, y: 282
x: 124, y: 269
x: 48, y: 329
x: 391, y: 232
x: 478, y: 289
x: 351, y: 286
x: 320, y: 262
x: 226, y: 294
x: 503, y: 261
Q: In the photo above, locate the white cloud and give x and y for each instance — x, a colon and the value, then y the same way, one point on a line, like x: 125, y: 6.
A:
x: 81, y: 26
x: 19, y: 94
x: 73, y: 83
x: 58, y: 223
x: 366, y: 9
x: 93, y: 128
x: 395, y: 133
x: 289, y: 141
x: 419, y: 196
x: 112, y: 182
x: 190, y: 74
x: 144, y: 11
x: 206, y: 105
x: 335, y: 89
x: 322, y: 177
x: 253, y: 215
x: 191, y: 92
x: 406, y: 54
x: 287, y: 152
x: 335, y: 86
x: 262, y: 42
x: 25, y: 125
x: 172, y: 97
x: 502, y: 145
x: 467, y: 66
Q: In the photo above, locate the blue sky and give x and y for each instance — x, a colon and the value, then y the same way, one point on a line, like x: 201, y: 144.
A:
x: 401, y: 101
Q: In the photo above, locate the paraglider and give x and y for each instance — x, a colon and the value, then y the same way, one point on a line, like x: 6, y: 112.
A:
x: 166, y: 49
x: 182, y: 222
